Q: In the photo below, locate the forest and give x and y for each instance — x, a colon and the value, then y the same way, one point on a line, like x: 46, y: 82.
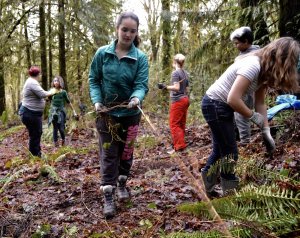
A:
x: 58, y: 195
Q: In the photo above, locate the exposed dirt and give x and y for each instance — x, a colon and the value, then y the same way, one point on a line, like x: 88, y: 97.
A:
x: 34, y: 202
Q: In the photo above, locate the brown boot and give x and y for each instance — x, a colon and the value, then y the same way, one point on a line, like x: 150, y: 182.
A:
x: 56, y: 144
x: 62, y: 142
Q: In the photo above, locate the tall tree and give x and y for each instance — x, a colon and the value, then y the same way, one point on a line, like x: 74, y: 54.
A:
x: 62, y: 42
x: 289, y: 18
x: 50, y: 39
x: 2, y: 83
x: 43, y: 47
x: 166, y: 37
x: 27, y: 47
x: 151, y: 7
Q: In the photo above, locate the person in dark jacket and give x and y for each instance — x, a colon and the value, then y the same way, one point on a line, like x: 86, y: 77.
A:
x: 118, y: 83
x: 32, y: 107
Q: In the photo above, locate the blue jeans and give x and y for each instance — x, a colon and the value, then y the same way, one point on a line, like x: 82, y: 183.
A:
x: 59, y: 127
x: 33, y: 122
x: 220, y: 118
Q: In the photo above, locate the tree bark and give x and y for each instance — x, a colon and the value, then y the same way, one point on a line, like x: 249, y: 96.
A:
x: 166, y: 38
x: 50, y: 56
x: 2, y: 82
x: 61, y: 42
x: 27, y: 47
x: 289, y: 19
x: 43, y: 44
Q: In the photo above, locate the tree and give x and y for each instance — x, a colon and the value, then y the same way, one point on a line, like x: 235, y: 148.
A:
x: 289, y: 19
x: 152, y: 8
x: 166, y: 38
x: 61, y: 42
x: 50, y: 39
x: 43, y: 47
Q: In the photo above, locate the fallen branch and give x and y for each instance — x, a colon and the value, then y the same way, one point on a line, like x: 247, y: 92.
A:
x: 199, y: 185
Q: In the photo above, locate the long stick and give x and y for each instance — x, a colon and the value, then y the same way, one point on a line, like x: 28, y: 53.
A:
x: 148, y: 120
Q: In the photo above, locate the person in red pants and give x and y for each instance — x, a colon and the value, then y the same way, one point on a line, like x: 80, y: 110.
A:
x: 179, y: 102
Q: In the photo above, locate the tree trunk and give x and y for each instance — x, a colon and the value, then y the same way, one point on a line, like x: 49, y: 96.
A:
x: 50, y: 56
x: 166, y: 38
x: 2, y: 83
x: 61, y: 42
x: 177, y: 37
x: 43, y: 44
x: 289, y: 19
x: 27, y: 47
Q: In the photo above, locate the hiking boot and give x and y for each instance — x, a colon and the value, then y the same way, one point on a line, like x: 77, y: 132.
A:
x: 229, y: 186
x: 62, y: 142
x: 109, y: 207
x: 56, y: 144
x: 122, y: 192
x: 210, y: 181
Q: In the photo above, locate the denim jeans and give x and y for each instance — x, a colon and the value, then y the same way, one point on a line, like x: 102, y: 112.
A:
x: 116, y: 141
x: 59, y: 127
x: 220, y: 118
x: 33, y: 122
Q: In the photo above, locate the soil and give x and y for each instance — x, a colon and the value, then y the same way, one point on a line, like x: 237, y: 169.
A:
x: 36, y: 203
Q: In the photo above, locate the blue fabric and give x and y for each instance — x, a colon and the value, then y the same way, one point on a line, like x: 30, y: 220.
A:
x: 220, y: 118
x: 286, y: 101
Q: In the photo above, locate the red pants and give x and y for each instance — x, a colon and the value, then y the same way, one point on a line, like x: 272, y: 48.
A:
x: 178, y: 114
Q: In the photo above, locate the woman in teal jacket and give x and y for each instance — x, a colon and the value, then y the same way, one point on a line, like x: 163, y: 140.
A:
x: 118, y: 83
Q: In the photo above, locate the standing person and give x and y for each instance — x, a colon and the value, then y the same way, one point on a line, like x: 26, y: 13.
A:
x: 273, y: 66
x: 57, y: 112
x: 179, y: 102
x: 118, y: 76
x: 31, y: 110
x: 243, y: 39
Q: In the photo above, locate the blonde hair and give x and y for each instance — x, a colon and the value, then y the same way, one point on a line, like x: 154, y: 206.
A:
x: 61, y: 82
x: 278, y: 62
x: 179, y: 59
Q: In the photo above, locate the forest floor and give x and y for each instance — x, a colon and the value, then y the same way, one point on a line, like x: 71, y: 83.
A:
x: 59, y: 196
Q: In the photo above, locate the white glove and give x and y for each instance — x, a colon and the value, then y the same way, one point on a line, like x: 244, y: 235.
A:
x: 133, y: 102
x: 270, y: 144
x: 99, y: 107
x: 258, y: 119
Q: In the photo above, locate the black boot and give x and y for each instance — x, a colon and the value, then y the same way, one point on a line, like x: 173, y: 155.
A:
x: 229, y: 186
x: 210, y: 182
x: 109, y: 207
x: 122, y: 192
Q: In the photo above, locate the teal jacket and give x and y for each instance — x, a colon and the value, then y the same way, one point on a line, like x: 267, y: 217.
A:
x: 114, y: 81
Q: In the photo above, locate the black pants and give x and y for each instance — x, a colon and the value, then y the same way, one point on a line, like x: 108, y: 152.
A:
x: 116, y: 141
x: 33, y: 122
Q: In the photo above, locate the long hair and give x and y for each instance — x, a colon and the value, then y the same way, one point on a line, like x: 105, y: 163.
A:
x: 278, y: 62
x: 60, y: 80
x: 134, y: 17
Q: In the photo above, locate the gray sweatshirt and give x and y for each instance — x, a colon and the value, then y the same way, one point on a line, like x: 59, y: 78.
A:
x: 33, y: 95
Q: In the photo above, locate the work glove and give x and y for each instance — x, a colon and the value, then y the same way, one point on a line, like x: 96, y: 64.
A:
x: 269, y: 142
x: 100, y: 108
x: 258, y: 119
x: 161, y: 86
x: 134, y: 102
x: 53, y: 91
x: 75, y: 115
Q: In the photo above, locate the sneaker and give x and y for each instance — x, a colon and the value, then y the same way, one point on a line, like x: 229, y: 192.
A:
x: 171, y: 151
x: 109, y: 207
x: 122, y: 192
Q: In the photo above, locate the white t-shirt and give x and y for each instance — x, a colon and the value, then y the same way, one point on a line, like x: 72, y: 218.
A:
x: 249, y: 67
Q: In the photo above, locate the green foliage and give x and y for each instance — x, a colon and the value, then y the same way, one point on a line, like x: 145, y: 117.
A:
x: 10, y: 131
x: 42, y: 231
x: 262, y: 209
